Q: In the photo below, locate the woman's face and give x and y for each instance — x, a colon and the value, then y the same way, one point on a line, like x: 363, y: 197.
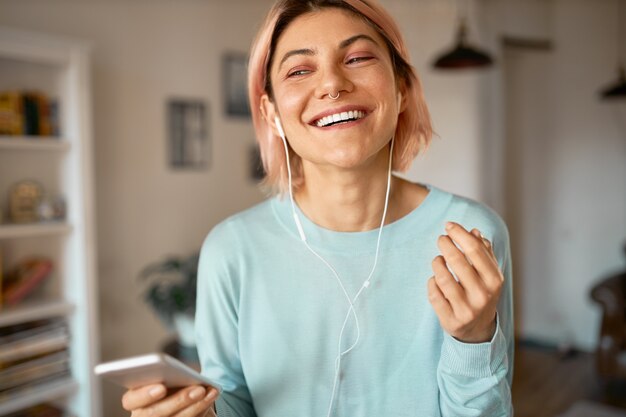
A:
x: 330, y: 52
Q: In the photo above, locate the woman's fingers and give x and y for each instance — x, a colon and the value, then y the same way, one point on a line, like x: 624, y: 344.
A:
x: 451, y: 289
x: 467, y: 308
x: 143, y: 396
x: 476, y: 253
x: 485, y: 242
x: 201, y: 408
x: 440, y: 304
x: 464, y: 270
x: 190, y: 401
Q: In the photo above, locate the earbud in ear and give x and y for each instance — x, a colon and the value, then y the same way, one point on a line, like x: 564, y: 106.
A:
x: 279, y: 126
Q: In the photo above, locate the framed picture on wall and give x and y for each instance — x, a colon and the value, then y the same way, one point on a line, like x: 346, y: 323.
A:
x: 235, y: 85
x: 188, y: 141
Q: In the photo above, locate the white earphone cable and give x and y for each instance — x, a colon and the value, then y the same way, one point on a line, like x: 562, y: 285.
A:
x: 366, y: 283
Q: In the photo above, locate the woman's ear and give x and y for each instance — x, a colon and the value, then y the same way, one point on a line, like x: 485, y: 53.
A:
x: 268, y: 111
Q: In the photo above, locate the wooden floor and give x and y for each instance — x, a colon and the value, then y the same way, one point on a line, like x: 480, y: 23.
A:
x: 547, y: 382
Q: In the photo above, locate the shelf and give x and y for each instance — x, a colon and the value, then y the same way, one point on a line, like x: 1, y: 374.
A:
x: 60, y: 68
x: 38, y: 394
x: 34, y: 310
x: 12, y: 231
x: 34, y: 143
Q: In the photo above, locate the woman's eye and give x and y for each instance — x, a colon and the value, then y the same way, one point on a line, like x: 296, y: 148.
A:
x: 358, y: 59
x: 296, y: 73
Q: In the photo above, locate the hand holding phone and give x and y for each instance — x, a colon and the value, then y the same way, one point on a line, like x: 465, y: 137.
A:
x: 152, y: 368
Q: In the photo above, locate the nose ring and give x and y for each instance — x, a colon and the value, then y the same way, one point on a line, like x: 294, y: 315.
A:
x: 333, y: 97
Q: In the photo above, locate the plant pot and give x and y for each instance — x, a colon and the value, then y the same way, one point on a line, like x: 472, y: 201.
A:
x: 185, y: 329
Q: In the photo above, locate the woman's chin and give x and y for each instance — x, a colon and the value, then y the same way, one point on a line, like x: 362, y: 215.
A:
x: 350, y: 162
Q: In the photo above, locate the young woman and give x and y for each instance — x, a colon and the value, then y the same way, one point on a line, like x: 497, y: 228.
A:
x: 351, y: 292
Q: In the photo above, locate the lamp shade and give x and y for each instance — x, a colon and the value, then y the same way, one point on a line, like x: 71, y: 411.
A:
x: 463, y: 55
x: 617, y: 90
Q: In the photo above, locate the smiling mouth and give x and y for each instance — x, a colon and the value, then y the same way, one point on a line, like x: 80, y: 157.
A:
x: 339, y: 118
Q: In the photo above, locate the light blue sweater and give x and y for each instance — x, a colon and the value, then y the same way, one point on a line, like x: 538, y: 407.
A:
x: 269, y: 315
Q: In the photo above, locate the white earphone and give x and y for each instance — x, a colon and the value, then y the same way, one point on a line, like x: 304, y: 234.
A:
x: 350, y: 300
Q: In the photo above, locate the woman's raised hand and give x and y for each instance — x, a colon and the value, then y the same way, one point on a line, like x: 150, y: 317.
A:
x: 155, y: 401
x: 467, y: 308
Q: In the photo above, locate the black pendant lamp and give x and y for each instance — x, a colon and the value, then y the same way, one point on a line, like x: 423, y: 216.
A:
x: 617, y: 90
x: 463, y: 55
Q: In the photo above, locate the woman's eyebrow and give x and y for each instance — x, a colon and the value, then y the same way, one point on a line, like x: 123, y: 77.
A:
x: 352, y: 39
x: 304, y: 51
x: 342, y: 45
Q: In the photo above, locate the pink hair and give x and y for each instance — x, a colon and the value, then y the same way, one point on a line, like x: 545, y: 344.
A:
x: 413, y: 131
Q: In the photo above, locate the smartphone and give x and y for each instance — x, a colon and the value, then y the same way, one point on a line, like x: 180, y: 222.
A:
x: 152, y: 368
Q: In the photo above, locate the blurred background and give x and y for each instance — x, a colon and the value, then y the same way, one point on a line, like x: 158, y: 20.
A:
x: 173, y: 154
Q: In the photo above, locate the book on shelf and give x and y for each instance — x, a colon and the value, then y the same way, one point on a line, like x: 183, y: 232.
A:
x: 21, y: 373
x: 49, y: 382
x: 1, y: 270
x: 33, y: 355
x: 27, y: 340
x: 28, y: 113
x: 24, y: 279
x: 41, y: 410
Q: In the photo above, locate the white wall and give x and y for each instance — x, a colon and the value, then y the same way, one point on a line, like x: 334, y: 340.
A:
x: 567, y: 204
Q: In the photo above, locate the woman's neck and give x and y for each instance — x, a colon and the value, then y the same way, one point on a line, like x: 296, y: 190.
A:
x: 346, y: 200
x: 354, y: 201
x: 344, y: 203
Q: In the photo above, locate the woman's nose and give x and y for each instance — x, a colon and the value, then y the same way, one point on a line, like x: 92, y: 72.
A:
x: 333, y: 80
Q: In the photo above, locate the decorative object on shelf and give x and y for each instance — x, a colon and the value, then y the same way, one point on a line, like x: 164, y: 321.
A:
x: 463, y: 55
x: 24, y: 279
x: 617, y: 90
x: 172, y: 294
x: 188, y: 138
x: 234, y: 67
x: 24, y: 199
x: 51, y: 209
x: 28, y: 113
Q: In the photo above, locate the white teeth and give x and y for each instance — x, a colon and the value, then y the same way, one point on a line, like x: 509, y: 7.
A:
x: 339, y: 117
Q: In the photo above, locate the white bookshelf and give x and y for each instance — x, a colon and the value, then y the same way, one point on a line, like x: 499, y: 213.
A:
x: 60, y: 68
x: 33, y: 143
x: 15, y: 231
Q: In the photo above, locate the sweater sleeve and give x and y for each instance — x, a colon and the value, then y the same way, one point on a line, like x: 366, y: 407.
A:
x: 217, y: 341
x: 475, y: 379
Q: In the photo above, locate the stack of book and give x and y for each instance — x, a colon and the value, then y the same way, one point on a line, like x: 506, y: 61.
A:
x: 28, y: 113
x: 32, y: 354
x: 42, y: 410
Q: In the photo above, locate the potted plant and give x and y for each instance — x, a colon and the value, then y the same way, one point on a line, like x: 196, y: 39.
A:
x: 171, y: 293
